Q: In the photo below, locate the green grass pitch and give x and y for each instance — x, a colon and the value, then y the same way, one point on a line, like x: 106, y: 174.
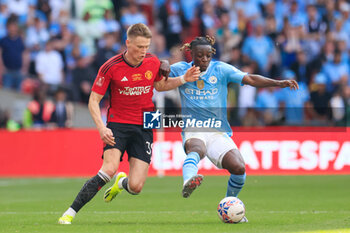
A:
x: 273, y: 204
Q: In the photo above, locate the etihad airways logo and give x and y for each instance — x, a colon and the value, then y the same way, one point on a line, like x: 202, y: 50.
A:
x: 135, y: 90
x: 191, y: 91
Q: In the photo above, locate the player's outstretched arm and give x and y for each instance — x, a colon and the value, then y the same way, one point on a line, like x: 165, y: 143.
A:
x: 106, y: 134
x: 191, y: 75
x: 261, y: 81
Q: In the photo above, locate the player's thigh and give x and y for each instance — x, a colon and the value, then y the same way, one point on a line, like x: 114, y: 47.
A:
x: 195, y: 142
x: 138, y: 172
x: 234, y: 162
x: 139, y: 144
x: 217, y: 146
x: 111, y: 160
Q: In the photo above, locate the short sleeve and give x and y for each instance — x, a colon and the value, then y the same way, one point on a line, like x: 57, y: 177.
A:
x: 102, y: 81
x: 232, y: 73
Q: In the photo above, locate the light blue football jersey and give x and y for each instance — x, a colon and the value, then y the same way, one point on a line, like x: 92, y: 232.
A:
x: 206, y: 99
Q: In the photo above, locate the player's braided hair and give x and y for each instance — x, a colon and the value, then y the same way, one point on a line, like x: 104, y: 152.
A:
x: 207, y: 40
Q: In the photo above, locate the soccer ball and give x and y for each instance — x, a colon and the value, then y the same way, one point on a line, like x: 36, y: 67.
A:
x: 231, y: 210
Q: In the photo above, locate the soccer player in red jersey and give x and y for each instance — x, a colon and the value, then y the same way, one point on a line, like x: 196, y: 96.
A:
x: 130, y: 76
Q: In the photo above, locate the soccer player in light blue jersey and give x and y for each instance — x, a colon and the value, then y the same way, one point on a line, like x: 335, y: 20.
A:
x: 208, y: 97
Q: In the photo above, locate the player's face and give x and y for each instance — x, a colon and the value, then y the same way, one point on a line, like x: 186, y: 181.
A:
x: 137, y: 48
x: 201, y: 55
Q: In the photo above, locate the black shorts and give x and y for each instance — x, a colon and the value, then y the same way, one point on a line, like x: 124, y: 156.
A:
x: 133, y: 139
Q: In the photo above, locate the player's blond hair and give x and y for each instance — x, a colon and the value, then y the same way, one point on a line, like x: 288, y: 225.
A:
x: 139, y: 29
x: 207, y: 40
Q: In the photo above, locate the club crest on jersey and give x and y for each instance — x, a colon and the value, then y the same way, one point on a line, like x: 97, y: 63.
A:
x: 136, y: 77
x: 149, y: 74
x: 213, y: 79
x: 100, y: 81
x: 200, y: 84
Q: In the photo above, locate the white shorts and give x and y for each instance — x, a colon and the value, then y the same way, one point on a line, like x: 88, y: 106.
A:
x: 216, y: 143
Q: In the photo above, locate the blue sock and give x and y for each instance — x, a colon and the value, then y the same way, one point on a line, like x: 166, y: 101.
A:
x: 235, y: 184
x: 189, y: 167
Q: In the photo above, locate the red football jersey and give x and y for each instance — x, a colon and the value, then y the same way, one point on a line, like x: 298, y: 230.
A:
x: 131, y: 88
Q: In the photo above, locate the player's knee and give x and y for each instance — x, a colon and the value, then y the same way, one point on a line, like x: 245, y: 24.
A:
x: 239, y: 169
x: 195, y: 145
x: 135, y: 188
x: 109, y: 171
x: 196, y: 148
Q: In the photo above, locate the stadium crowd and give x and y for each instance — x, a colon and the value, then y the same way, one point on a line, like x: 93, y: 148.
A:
x: 54, y: 48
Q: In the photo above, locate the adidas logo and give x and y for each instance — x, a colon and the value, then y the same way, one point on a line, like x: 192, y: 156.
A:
x: 124, y: 79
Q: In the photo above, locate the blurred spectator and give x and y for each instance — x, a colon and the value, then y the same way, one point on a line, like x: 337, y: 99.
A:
x: 246, y: 96
x: 132, y: 15
x: 39, y: 110
x: 170, y: 15
x: 209, y: 17
x: 320, y: 100
x: 37, y: 34
x: 267, y: 106
x: 338, y: 107
x: 89, y: 31
x: 337, y: 72
x: 271, y: 28
x: 227, y: 36
x: 14, y: 57
x: 49, y: 67
x: 109, y: 23
x: 259, y: 47
x: 301, y: 68
x: 56, y: 6
x: 330, y: 14
x: 296, y: 17
x: 4, y: 117
x: 147, y: 7
x: 109, y: 48
x: 96, y: 9
x: 249, y: 8
x: 83, y: 76
x: 4, y: 14
x: 190, y: 9
x: 158, y: 45
x: 293, y: 103
x: 44, y: 6
x: 18, y: 8
x: 75, y: 49
x: 271, y: 11
x: 291, y: 46
x: 62, y: 116
x: 315, y: 26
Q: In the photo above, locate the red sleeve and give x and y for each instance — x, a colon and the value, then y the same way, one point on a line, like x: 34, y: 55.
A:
x: 101, y: 82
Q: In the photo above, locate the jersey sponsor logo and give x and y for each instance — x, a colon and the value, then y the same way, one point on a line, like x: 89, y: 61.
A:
x: 136, y: 77
x: 135, y: 90
x: 213, y: 79
x: 149, y: 74
x: 191, y: 91
x: 200, y: 84
x: 100, y: 81
x: 125, y: 79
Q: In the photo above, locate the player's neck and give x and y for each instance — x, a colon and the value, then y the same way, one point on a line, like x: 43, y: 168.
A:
x: 130, y: 60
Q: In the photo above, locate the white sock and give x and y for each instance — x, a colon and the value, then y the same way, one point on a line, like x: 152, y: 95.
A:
x: 120, y: 183
x: 104, y: 176
x: 70, y: 212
